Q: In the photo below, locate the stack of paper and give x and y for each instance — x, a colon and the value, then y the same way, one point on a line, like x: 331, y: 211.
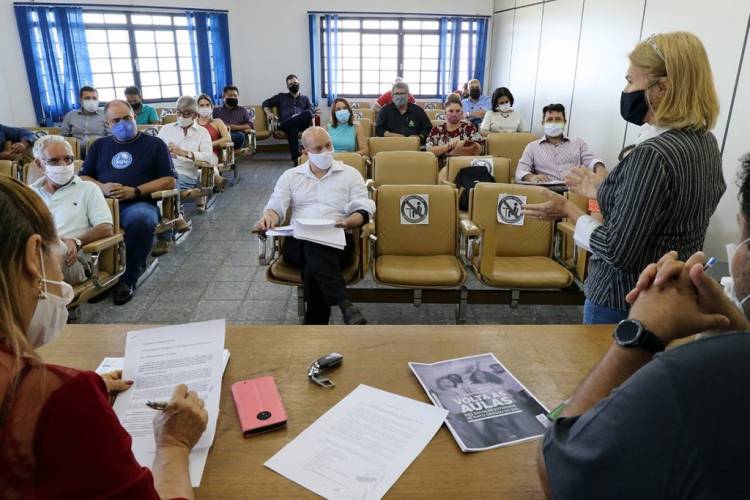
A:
x: 321, y: 231
x: 361, y: 446
x: 159, y: 359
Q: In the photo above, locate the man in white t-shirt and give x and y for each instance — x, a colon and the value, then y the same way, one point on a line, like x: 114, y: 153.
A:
x: 78, y: 207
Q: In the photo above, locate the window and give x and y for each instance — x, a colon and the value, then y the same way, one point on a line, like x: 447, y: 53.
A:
x: 371, y: 52
x: 151, y: 51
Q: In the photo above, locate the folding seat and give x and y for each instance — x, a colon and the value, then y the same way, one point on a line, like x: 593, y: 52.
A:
x: 378, y: 144
x: 509, y: 146
x: 152, y: 130
x: 276, y: 131
x: 364, y: 113
x: 367, y: 127
x: 280, y: 272
x: 167, y: 118
x: 352, y: 159
x: 359, y: 105
x: 516, y: 254
x: 403, y: 167
x: 435, y: 114
x: 9, y: 168
x: 430, y: 105
x: 74, y: 144
x: 415, y: 244
x: 260, y: 122
x: 447, y: 175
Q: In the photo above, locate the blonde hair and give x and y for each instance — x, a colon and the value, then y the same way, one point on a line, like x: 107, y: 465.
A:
x: 22, y: 215
x: 690, y: 101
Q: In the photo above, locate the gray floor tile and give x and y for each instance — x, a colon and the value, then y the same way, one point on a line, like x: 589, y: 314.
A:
x: 265, y: 311
x: 226, y: 290
x: 269, y: 291
x: 235, y: 273
x: 219, y: 309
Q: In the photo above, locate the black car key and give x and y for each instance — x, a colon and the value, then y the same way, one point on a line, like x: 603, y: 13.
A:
x: 330, y: 360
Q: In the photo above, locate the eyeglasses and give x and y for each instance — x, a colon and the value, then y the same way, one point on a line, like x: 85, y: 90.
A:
x: 56, y: 162
x: 186, y: 114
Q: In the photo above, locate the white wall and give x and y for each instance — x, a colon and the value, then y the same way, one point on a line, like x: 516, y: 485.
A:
x: 576, y: 51
x: 268, y: 40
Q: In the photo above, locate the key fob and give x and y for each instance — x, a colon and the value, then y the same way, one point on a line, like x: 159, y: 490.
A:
x: 330, y: 360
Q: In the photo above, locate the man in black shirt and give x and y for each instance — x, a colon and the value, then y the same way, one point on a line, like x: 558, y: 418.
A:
x: 296, y: 113
x: 401, y: 118
x: 670, y: 425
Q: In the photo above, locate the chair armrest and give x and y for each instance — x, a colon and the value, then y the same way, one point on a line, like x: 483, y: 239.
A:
x: 167, y: 193
x: 366, y: 230
x: 102, y: 244
x: 468, y: 228
x: 370, y: 184
x: 448, y: 183
x: 567, y: 228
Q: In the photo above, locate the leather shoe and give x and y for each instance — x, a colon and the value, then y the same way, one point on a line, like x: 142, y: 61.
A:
x: 123, y: 293
x: 352, y: 315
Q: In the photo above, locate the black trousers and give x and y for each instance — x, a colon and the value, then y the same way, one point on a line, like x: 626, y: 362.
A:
x: 292, y: 127
x: 321, y: 275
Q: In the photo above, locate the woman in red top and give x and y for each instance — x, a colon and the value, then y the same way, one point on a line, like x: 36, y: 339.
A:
x: 216, y: 129
x: 59, y: 437
x: 454, y: 137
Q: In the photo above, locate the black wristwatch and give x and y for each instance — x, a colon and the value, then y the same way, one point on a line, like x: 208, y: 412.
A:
x: 632, y: 333
x: 138, y: 194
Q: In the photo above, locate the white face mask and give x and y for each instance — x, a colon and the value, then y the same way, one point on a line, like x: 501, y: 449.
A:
x: 184, y: 122
x: 205, y: 112
x: 553, y: 129
x: 90, y: 105
x: 59, y: 174
x: 728, y: 282
x: 322, y: 160
x: 50, y: 314
x: 504, y: 107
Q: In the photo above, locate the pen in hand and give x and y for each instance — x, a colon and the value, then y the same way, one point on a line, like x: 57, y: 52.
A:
x: 157, y: 405
x: 709, y: 263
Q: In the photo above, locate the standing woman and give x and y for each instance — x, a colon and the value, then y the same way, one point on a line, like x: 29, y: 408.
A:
x: 345, y: 134
x: 59, y: 437
x: 661, y: 196
x: 502, y: 117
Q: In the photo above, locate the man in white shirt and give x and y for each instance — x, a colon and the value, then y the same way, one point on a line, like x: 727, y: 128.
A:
x: 78, y: 207
x: 320, y: 188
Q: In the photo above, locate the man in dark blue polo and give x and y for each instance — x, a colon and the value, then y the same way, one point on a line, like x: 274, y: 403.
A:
x: 296, y: 113
x: 20, y: 147
x: 129, y: 166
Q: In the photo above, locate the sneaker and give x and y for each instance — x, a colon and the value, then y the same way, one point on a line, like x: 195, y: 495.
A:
x: 352, y: 315
x: 161, y: 247
x: 181, y: 225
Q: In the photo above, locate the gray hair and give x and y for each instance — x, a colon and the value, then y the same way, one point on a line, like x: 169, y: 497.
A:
x: 400, y: 85
x: 186, y: 103
x: 41, y: 144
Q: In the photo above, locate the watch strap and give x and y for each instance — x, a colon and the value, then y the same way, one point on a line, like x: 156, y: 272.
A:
x: 651, y: 342
x: 138, y: 193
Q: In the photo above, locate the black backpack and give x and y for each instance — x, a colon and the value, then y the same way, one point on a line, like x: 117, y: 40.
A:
x: 467, y: 178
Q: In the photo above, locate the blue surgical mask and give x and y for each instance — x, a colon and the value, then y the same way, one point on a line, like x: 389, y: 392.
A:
x: 343, y: 115
x: 400, y: 100
x: 124, y: 130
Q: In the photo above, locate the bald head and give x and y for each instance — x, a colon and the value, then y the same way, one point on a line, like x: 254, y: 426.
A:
x: 117, y: 110
x: 316, y: 140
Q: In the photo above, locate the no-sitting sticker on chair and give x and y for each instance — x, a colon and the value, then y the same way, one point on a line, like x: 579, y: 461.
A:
x: 415, y: 209
x: 510, y: 209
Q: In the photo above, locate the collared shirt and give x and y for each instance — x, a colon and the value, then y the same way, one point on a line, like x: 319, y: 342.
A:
x: 233, y: 116
x: 336, y: 195
x: 84, y: 126
x: 288, y: 105
x: 146, y: 116
x: 196, y: 140
x: 555, y: 160
x: 142, y: 159
x: 14, y: 134
x: 76, y: 207
x: 413, y: 122
x: 484, y: 103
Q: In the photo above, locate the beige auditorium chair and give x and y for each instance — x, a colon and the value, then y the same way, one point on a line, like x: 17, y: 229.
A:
x: 152, y: 130
x: 435, y: 114
x: 403, y: 167
x: 416, y: 240
x: 447, y: 175
x: 378, y: 144
x: 260, y: 122
x: 512, y: 257
x: 430, y: 105
x: 509, y: 146
x: 364, y: 113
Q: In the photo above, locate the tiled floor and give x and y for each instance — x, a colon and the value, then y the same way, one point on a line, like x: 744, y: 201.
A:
x: 214, y: 273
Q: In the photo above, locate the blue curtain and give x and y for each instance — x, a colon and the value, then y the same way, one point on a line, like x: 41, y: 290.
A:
x: 209, y: 34
x: 449, y: 53
x: 481, y: 58
x: 54, y: 46
x: 332, y: 57
x: 314, y: 26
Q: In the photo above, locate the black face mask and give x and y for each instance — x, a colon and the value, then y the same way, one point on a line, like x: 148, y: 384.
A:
x: 294, y: 88
x: 231, y: 101
x: 475, y: 93
x: 137, y: 106
x: 634, y: 106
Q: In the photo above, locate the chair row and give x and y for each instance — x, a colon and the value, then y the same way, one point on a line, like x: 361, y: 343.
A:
x: 417, y: 241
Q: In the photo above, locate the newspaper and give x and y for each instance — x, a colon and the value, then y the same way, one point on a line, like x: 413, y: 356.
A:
x: 487, y: 406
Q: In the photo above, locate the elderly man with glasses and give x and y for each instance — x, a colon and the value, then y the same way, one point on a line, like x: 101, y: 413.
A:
x: 78, y: 207
x: 402, y: 118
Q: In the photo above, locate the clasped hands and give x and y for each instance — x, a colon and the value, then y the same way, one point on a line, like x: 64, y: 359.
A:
x: 676, y: 299
x: 118, y: 191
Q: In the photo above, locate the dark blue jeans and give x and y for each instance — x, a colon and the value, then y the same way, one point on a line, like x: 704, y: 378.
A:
x: 594, y: 314
x: 138, y: 220
x: 238, y: 138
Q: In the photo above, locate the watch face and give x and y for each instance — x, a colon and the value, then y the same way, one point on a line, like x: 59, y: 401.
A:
x: 627, y: 332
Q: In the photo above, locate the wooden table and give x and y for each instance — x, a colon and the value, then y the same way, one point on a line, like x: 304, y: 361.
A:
x: 549, y: 360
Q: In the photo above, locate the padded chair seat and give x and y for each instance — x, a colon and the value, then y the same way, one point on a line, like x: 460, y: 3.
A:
x: 284, y: 273
x: 431, y: 270
x: 527, y: 272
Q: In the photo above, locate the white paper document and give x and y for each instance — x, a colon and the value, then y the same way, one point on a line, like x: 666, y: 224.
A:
x: 321, y: 231
x: 361, y: 446
x: 157, y: 360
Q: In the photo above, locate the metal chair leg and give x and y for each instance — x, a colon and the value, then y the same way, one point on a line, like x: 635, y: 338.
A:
x: 461, y: 309
x: 301, y: 304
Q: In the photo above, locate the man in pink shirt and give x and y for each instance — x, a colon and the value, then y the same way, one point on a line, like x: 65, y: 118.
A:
x: 550, y: 158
